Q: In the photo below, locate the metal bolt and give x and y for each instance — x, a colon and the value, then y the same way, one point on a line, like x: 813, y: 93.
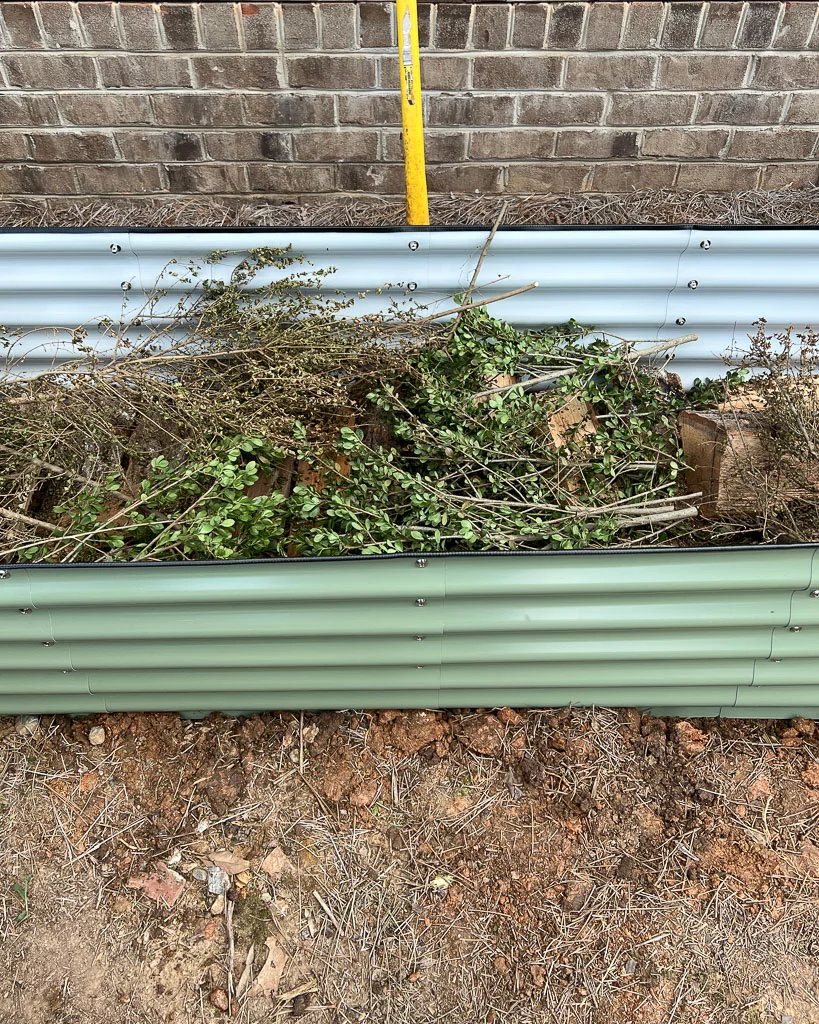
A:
x: 796, y: 629
x: 25, y: 611
x: 115, y: 248
x: 125, y: 286
x: 705, y: 243
x: 680, y: 321
x: 67, y: 671
x: 776, y: 661
x: 420, y: 638
x: 420, y: 601
x: 412, y: 286
x: 693, y: 285
x: 413, y: 246
x: 813, y: 593
x: 49, y: 643
x: 4, y: 574
x: 421, y: 563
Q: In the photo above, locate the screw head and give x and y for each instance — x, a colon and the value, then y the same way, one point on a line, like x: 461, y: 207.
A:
x: 813, y: 593
x: 705, y: 243
x: 680, y: 321
x: 4, y: 574
x: 420, y: 601
x: 49, y: 643
x: 421, y: 563
x: 420, y: 638
x: 413, y: 246
x: 796, y: 629
x: 693, y: 285
x: 25, y: 611
x: 115, y: 248
x: 412, y: 286
x: 125, y: 286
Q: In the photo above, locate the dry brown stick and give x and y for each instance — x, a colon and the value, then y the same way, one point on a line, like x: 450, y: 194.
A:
x: 18, y: 517
x: 61, y: 471
x: 660, y: 517
x: 476, y: 305
x: 479, y: 264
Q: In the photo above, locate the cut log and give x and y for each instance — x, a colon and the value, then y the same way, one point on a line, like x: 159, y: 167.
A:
x: 728, y: 462
x: 573, y: 421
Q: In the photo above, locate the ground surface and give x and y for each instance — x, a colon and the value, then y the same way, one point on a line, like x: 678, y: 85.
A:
x: 549, y: 866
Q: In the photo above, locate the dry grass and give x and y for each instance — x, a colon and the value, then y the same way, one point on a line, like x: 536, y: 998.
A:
x: 664, y: 206
x: 579, y: 866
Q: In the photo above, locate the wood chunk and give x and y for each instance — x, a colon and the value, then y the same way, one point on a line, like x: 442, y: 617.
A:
x: 572, y: 422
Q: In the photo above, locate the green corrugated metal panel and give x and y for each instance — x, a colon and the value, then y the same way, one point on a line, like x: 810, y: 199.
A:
x: 705, y: 631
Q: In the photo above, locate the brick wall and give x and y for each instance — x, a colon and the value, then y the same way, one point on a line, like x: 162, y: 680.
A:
x: 293, y: 99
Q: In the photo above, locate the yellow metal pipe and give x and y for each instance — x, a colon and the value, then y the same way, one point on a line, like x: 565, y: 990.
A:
x: 415, y: 171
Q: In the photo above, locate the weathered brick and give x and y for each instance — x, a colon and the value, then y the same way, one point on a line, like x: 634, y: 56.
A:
x: 465, y: 178
x: 439, y: 147
x: 604, y: 25
x: 15, y: 147
x: 452, y: 26
x: 529, y: 27
x: 721, y: 24
x: 217, y: 23
x: 389, y: 77
x: 300, y: 26
x: 794, y: 28
x: 99, y: 25
x: 158, y: 146
x: 490, y: 27
x: 741, y: 108
x: 549, y: 176
x: 609, y: 71
x: 27, y: 179
x: 256, y: 145
x: 179, y: 24
x: 290, y: 178
x: 532, y: 144
x: 597, y: 144
x: 207, y: 178
x: 566, y: 26
x: 118, y: 179
x: 717, y: 177
x: 49, y: 71
x: 338, y: 27
x: 367, y: 109
x: 61, y: 25
x: 785, y: 71
x: 790, y: 175
x: 651, y: 108
x: 702, y: 71
x: 144, y: 71
x: 643, y: 25
x: 336, y: 73
x: 245, y: 71
x: 260, y: 25
x: 385, y: 179
x: 425, y: 24
x: 445, y: 73
x: 283, y: 110
x: 140, y: 26
x: 696, y: 143
x: 105, y: 109
x: 758, y: 28
x: 22, y: 29
x: 16, y: 109
x: 476, y: 111
x: 184, y: 110
x: 681, y: 24
x: 342, y: 145
x: 559, y: 109
x: 70, y: 146
x: 772, y: 144
x: 804, y: 108
x: 376, y: 29
x: 513, y: 72
x: 623, y: 177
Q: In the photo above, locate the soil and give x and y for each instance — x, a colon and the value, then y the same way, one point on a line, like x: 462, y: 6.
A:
x: 536, y: 866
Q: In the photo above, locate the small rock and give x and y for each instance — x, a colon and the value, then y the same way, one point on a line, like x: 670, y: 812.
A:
x: 508, y: 716
x: 365, y: 794
x: 804, y: 726
x: 630, y: 968
x: 760, y: 788
x: 218, y: 881
x: 300, y: 1005
x: 26, y: 725
x: 218, y: 998
x: 790, y: 738
x: 200, y: 874
x: 482, y: 735
x: 96, y: 737
x: 218, y: 906
x: 576, y: 894
x: 162, y: 884
x: 810, y: 776
x: 276, y: 862
x: 689, y: 739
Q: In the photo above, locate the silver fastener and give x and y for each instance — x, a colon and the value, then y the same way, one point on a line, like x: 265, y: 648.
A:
x: 412, y: 286
x: 25, y: 611
x: 813, y: 593
x: 420, y: 601
x: 125, y: 286
x: 49, y: 643
x: 413, y: 246
x: 115, y: 248
x: 420, y: 638
x: 4, y: 574
x: 680, y: 321
x: 693, y: 285
x: 705, y: 243
x: 796, y: 629
x: 776, y: 661
x: 421, y: 563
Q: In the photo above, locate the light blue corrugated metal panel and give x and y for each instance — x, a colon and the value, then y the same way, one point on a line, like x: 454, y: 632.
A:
x: 631, y: 281
x: 658, y: 629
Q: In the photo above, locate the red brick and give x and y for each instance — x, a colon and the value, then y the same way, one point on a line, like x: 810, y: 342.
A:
x: 681, y: 25
x: 465, y: 178
x: 383, y: 179
x: 513, y: 72
x: 721, y: 25
x: 566, y: 26
x: 790, y: 175
x: 158, y: 146
x: 66, y: 146
x: 558, y: 109
x: 140, y: 26
x: 777, y: 144
x: 290, y: 178
x: 643, y: 25
x: 118, y: 179
x: 720, y: 177
x: 300, y: 27
x: 480, y: 111
x: 338, y: 26
x: 61, y: 25
x: 741, y: 108
x: 490, y: 26
x: 549, y: 176
x: 259, y: 24
x: 15, y: 147
x: 529, y: 27
x: 186, y: 110
x: 604, y: 25
x: 617, y: 177
x: 104, y: 109
x: 758, y: 28
x: 336, y: 73
x: 366, y: 109
x: 242, y: 71
x: 376, y: 20
x: 50, y: 71
x: 609, y: 71
x: 22, y: 29
x: 342, y: 145
x: 685, y: 142
x: 17, y: 109
x: 650, y: 109
x: 218, y: 26
x: 99, y: 26
x: 207, y: 178
x: 256, y: 145
x: 597, y: 144
x: 522, y: 144
x: 144, y: 71
x: 694, y: 71
x: 179, y: 24
x: 288, y: 110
